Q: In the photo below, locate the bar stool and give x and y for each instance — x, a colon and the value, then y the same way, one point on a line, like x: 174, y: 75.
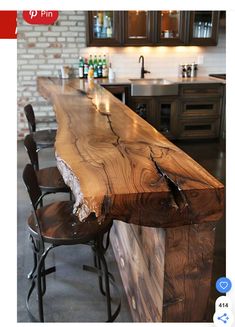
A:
x: 43, y: 138
x: 49, y: 181
x: 56, y: 225
x: 49, y: 178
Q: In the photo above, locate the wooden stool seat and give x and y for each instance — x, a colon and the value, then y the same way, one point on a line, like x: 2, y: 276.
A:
x: 60, y: 226
x: 44, y: 138
x: 50, y: 180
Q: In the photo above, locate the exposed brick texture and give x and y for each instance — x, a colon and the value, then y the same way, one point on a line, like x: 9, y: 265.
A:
x: 43, y: 49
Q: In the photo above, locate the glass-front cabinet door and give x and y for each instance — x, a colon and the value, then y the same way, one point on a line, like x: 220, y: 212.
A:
x: 170, y: 27
x: 104, y: 28
x: 137, y: 27
x: 203, y: 29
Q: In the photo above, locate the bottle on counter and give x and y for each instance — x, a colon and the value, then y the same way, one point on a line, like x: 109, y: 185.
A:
x: 95, y: 66
x: 95, y: 71
x: 91, y: 72
x: 111, y: 73
x: 81, y: 68
x: 90, y: 62
x: 95, y: 62
x: 104, y: 71
x: 104, y: 67
x: 86, y: 68
x: 104, y: 60
x: 100, y: 67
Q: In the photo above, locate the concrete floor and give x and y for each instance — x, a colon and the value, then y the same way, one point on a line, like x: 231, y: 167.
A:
x: 72, y: 293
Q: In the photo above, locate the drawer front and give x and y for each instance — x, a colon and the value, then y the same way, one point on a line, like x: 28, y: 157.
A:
x: 198, y: 108
x: 201, y: 90
x: 199, y: 128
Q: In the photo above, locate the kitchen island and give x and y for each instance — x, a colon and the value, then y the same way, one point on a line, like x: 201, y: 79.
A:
x: 164, y: 204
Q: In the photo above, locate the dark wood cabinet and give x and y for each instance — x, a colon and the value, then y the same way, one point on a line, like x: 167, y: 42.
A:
x: 104, y: 28
x: 152, y: 28
x: 160, y: 112
x: 203, y: 28
x: 170, y: 27
x: 166, y: 116
x: 122, y: 92
x: 194, y: 114
x: 144, y: 107
x: 199, y: 112
x: 137, y: 27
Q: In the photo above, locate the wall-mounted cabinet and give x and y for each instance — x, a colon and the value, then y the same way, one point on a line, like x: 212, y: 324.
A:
x: 152, y: 28
x: 137, y: 27
x: 170, y: 27
x: 104, y: 28
x: 203, y: 27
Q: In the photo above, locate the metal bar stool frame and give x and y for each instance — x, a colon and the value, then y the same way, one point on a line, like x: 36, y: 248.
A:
x: 41, y: 251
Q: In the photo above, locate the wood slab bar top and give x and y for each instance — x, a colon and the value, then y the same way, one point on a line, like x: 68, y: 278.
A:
x: 123, y: 167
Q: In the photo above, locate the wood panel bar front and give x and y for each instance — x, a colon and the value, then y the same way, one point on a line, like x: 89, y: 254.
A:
x: 165, y: 205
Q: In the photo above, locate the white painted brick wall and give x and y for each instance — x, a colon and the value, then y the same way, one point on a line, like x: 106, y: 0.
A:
x: 43, y: 49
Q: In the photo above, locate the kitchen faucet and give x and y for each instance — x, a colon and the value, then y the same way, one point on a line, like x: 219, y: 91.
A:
x: 143, y: 71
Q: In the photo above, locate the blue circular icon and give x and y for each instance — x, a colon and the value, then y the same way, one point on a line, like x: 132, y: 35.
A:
x: 223, y: 285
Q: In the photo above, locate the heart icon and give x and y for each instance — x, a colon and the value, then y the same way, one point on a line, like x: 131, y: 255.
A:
x: 223, y: 285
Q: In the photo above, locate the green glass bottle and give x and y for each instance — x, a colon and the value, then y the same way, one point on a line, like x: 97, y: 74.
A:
x: 81, y: 67
x: 104, y: 60
x: 90, y: 62
x: 95, y: 61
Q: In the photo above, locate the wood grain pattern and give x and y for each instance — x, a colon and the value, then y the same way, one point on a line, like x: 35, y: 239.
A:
x: 121, y: 168
x: 125, y: 167
x: 188, y: 269
x: 166, y: 273
x: 142, y: 277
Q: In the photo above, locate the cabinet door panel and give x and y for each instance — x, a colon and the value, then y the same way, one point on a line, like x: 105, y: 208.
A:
x: 144, y: 107
x: 203, y: 27
x: 104, y: 28
x: 170, y: 27
x: 138, y: 27
x: 166, y: 121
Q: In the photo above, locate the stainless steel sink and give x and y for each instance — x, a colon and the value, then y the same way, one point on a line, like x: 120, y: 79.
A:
x: 153, y: 87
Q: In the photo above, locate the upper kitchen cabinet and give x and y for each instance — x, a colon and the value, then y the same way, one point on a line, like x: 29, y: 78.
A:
x: 138, y: 26
x: 170, y: 27
x: 152, y: 28
x: 104, y: 28
x: 203, y: 27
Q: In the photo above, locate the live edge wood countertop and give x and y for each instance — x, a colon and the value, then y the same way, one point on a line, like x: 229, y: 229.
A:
x: 165, y: 205
x: 124, y: 167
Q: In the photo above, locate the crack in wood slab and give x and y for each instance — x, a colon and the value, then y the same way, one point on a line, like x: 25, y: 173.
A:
x: 180, y: 200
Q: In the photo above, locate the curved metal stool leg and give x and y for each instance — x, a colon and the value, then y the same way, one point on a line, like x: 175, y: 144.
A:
x: 97, y: 265
x: 104, y: 249
x: 107, y: 288
x: 35, y: 258
x: 107, y: 279
x: 39, y: 278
